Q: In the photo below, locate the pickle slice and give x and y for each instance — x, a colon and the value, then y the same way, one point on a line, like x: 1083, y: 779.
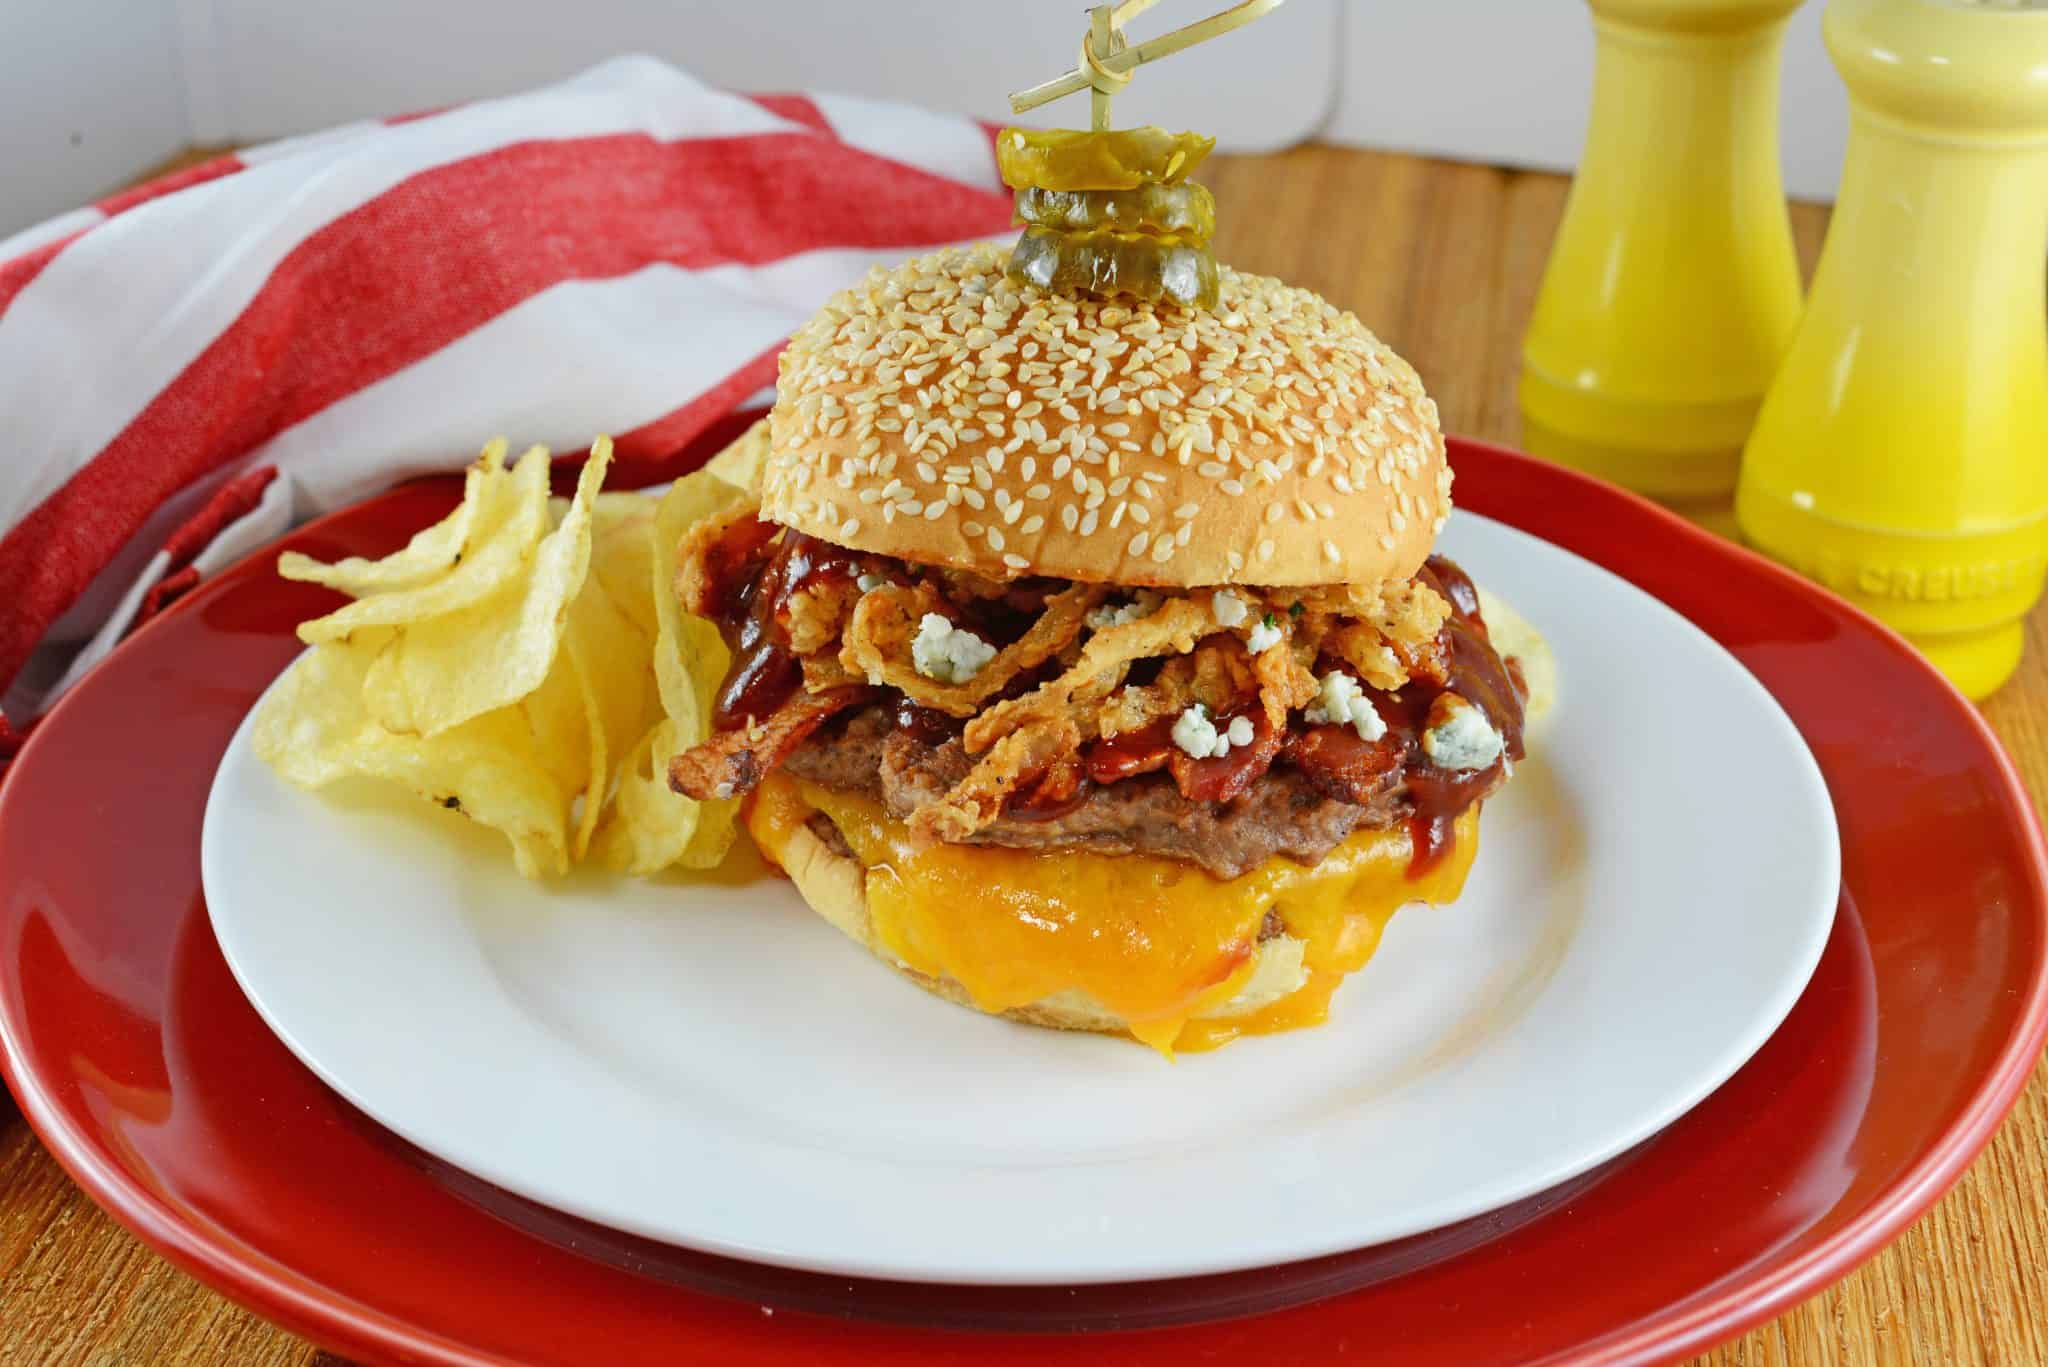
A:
x: 1078, y: 159
x: 1111, y: 263
x: 1187, y: 210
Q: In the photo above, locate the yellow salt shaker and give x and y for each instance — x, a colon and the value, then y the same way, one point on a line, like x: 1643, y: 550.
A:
x: 1901, y: 457
x: 1672, y: 288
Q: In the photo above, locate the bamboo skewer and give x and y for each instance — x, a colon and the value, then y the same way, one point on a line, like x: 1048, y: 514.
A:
x: 1106, y: 63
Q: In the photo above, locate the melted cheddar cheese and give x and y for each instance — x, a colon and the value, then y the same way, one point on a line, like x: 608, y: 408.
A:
x: 1154, y: 941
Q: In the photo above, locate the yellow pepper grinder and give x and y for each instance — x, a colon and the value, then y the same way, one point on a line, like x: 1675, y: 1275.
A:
x: 1901, y: 457
x: 1672, y: 288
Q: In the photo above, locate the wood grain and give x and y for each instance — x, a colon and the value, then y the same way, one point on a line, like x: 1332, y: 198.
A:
x: 1442, y: 260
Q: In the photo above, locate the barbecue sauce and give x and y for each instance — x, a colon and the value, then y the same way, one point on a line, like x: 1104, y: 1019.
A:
x: 1437, y: 796
x: 1130, y: 753
x: 925, y: 725
x: 752, y: 582
x: 1475, y: 673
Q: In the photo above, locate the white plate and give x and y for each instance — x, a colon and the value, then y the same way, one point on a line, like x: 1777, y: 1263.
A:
x: 712, y: 1065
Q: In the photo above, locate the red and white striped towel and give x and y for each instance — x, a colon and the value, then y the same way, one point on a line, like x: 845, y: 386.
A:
x: 188, y: 367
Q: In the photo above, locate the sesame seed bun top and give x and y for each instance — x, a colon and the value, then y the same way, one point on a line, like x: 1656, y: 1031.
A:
x: 940, y: 413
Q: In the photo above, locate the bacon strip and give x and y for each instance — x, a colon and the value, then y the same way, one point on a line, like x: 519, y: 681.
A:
x: 733, y: 763
x: 1220, y: 780
x: 1337, y: 762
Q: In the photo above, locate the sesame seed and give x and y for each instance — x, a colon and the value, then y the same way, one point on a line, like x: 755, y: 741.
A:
x: 849, y: 527
x: 1033, y: 525
x: 1138, y: 543
x: 1212, y: 469
x: 1039, y: 491
x: 1386, y: 541
x: 1232, y: 487
x: 1068, y: 517
x: 1140, y: 514
x: 1330, y: 551
x: 1088, y: 522
x: 1265, y: 550
x: 995, y: 538
x: 1016, y: 562
x: 1162, y: 551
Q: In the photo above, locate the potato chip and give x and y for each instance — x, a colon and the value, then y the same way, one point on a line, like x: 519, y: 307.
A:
x: 313, y: 730
x: 610, y: 655
x: 650, y: 826
x: 622, y: 557
x: 510, y: 518
x: 429, y: 554
x: 589, y: 806
x: 441, y: 671
x: 563, y: 722
x: 689, y: 657
x: 740, y: 463
x: 500, y: 664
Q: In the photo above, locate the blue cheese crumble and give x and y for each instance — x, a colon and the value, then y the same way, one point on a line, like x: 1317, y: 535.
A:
x: 1264, y: 636
x: 1200, y: 738
x: 948, y: 653
x: 1142, y: 605
x: 1343, y: 703
x: 1459, y: 737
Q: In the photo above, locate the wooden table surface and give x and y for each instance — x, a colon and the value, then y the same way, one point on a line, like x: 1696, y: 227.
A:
x: 1442, y: 260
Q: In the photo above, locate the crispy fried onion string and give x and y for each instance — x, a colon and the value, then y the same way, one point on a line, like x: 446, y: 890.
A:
x: 1172, y: 629
x: 878, y: 644
x: 1010, y: 764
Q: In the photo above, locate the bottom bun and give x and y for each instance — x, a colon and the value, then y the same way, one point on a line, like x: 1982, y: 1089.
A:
x: 835, y: 886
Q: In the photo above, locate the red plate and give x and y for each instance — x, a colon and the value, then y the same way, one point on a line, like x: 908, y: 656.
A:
x: 139, y: 1063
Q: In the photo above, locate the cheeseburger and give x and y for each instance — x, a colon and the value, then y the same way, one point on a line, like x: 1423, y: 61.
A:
x: 1090, y: 665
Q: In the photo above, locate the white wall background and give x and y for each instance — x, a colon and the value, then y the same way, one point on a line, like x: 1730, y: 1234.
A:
x: 96, y: 90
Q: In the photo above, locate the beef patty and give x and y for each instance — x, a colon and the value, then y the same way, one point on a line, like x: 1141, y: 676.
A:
x: 1281, y: 813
